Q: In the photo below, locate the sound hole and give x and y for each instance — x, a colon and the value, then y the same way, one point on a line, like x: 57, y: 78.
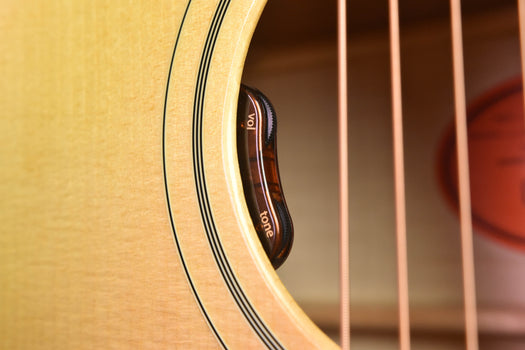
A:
x: 297, y: 67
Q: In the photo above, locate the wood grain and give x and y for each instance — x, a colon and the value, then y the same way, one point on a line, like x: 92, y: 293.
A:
x: 87, y: 250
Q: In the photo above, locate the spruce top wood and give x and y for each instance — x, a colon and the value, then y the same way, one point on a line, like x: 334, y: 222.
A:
x: 124, y: 222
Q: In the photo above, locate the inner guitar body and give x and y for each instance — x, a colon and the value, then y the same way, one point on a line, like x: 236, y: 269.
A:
x: 124, y: 220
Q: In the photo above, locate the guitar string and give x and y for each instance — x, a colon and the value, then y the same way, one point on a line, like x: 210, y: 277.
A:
x: 399, y: 178
x: 467, y: 249
x: 344, y: 274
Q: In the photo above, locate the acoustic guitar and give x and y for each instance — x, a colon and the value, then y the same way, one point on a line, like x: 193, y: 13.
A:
x: 125, y: 222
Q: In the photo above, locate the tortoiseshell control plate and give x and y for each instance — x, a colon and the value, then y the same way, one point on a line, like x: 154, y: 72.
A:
x: 257, y: 151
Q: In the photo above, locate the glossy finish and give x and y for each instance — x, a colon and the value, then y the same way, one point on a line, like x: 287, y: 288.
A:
x: 257, y: 149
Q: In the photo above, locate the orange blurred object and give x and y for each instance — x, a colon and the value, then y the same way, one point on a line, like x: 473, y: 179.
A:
x: 496, y: 140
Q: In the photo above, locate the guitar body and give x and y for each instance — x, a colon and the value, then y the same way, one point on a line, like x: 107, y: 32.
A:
x: 123, y: 218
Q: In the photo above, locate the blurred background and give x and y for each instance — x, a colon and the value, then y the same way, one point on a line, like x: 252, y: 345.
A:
x: 293, y: 60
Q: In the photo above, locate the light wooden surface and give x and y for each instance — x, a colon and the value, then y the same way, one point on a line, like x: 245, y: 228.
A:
x: 88, y: 257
